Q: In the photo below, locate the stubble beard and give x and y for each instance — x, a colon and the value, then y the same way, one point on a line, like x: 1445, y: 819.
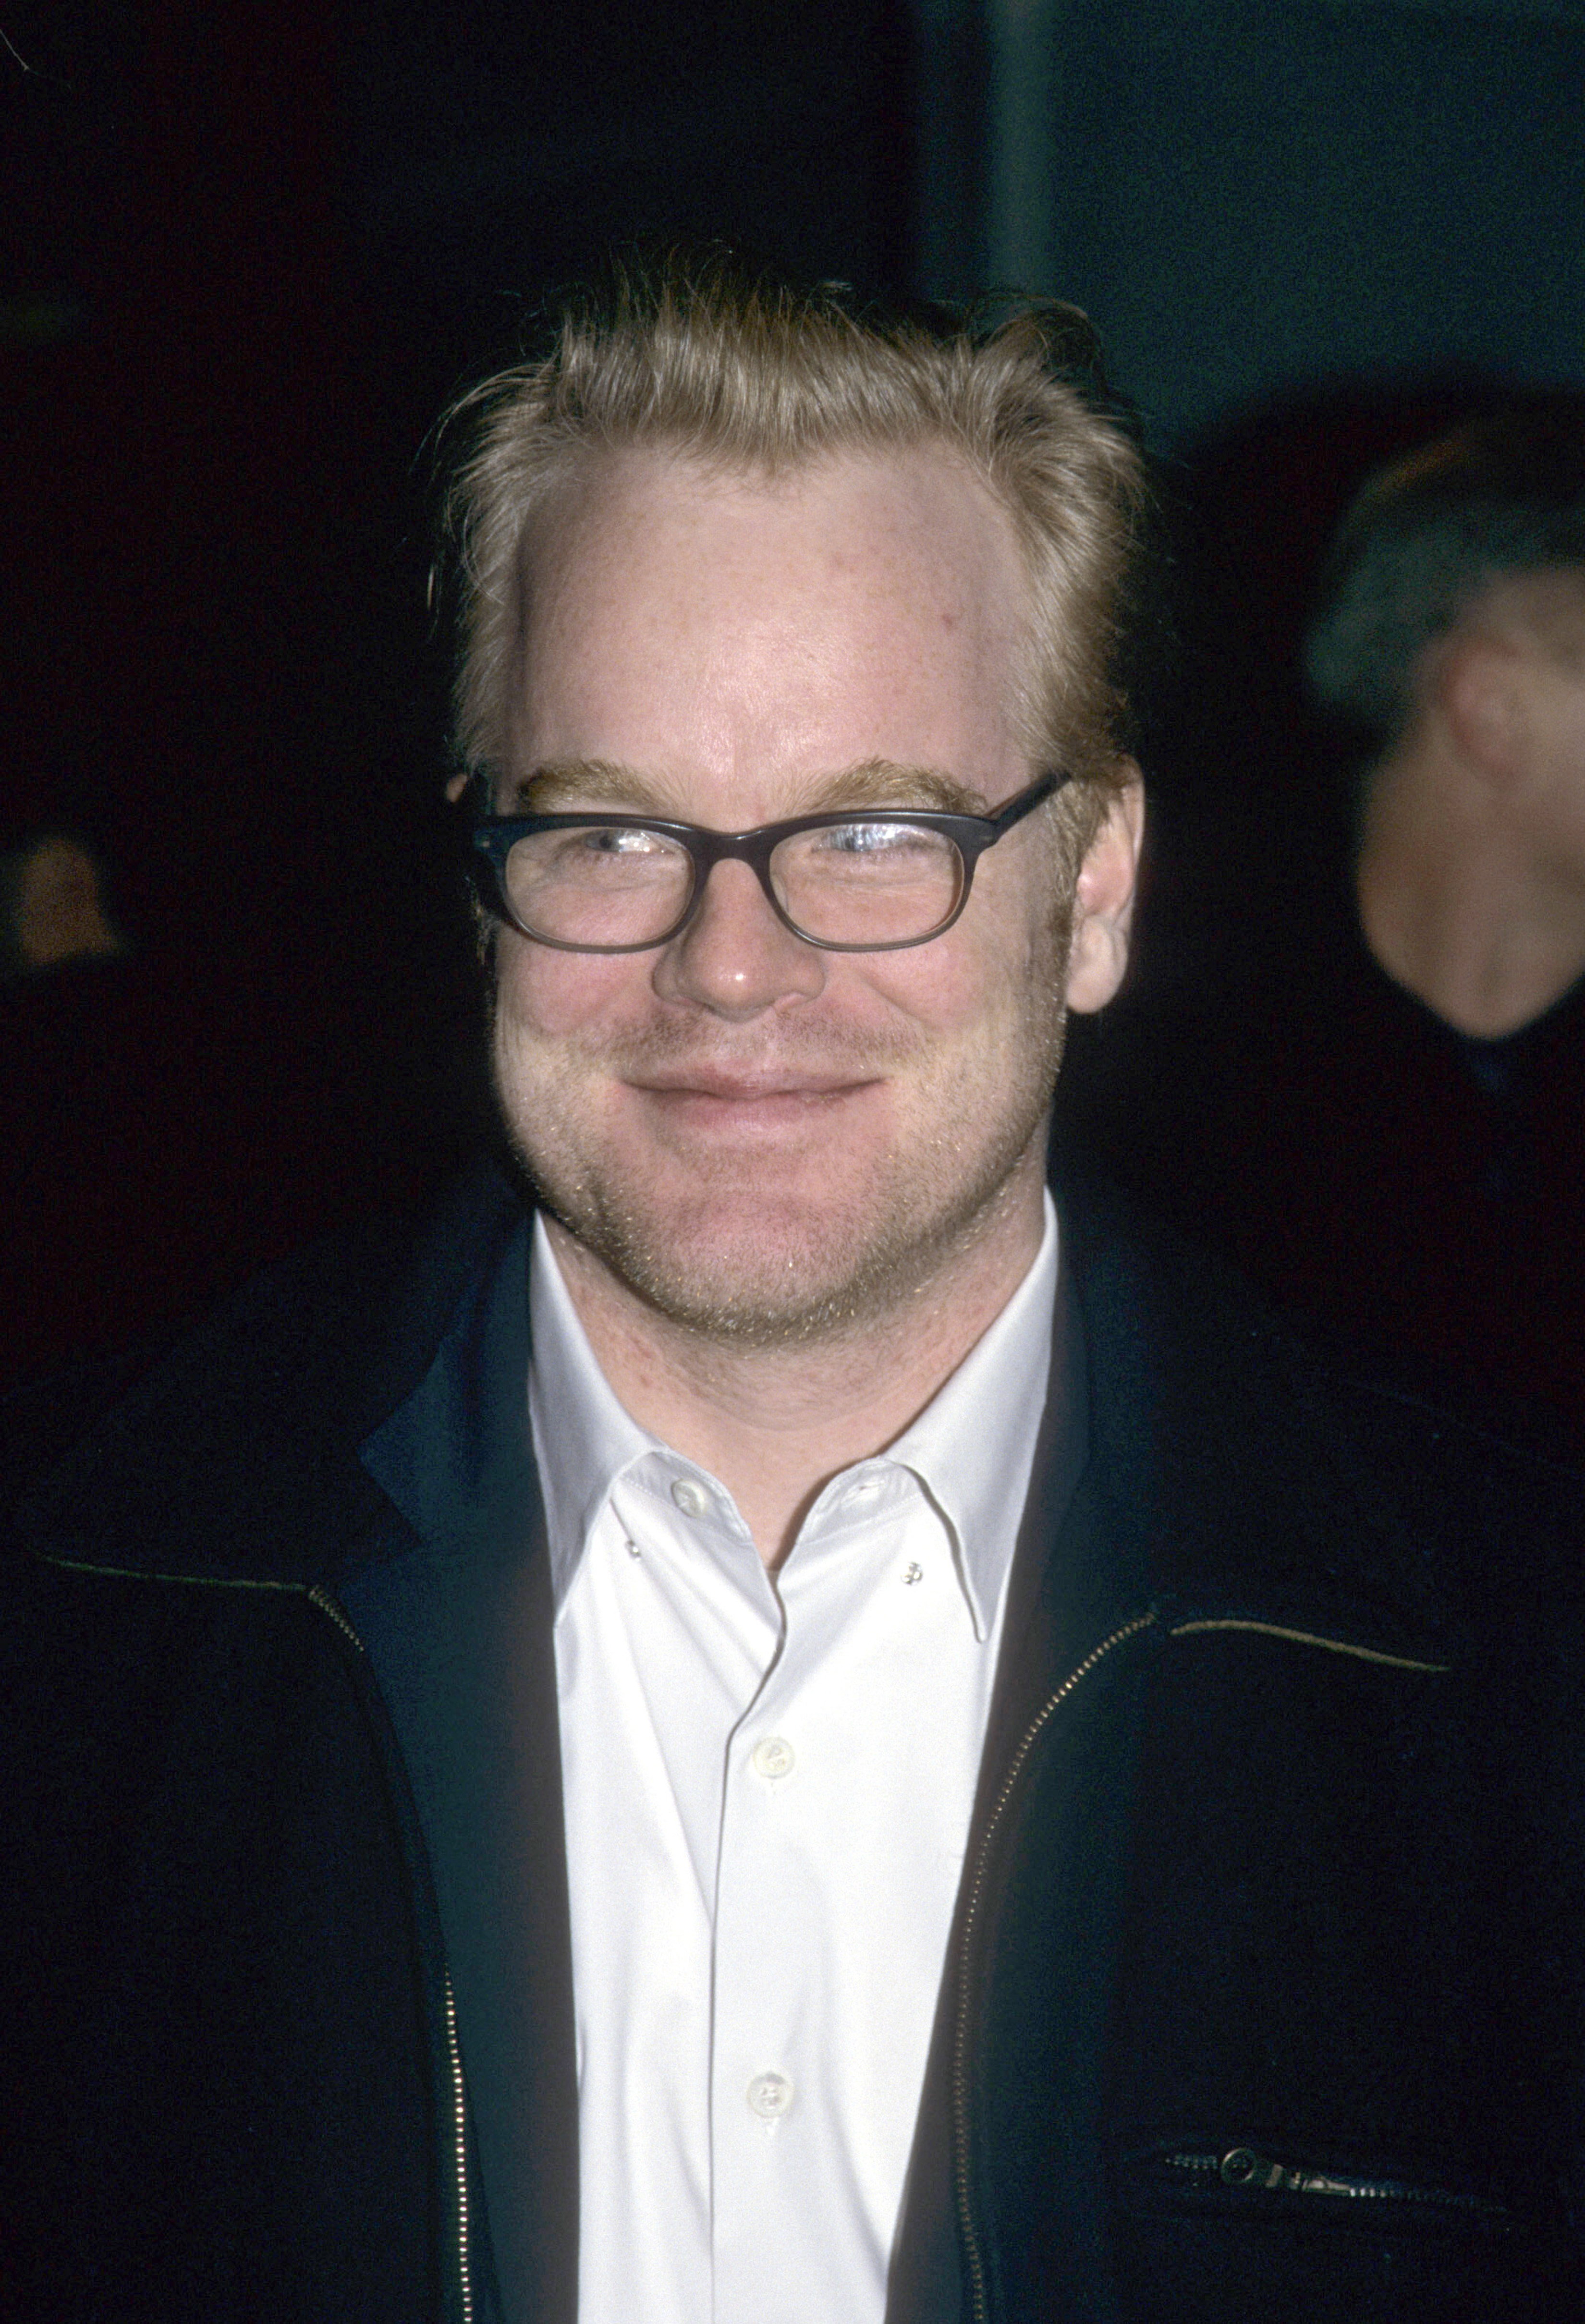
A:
x: 743, y: 1266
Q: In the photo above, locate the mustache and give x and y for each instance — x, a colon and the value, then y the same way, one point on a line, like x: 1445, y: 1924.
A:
x: 751, y: 1051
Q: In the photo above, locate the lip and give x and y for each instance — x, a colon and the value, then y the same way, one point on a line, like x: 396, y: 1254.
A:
x: 718, y: 1105
x: 750, y: 1089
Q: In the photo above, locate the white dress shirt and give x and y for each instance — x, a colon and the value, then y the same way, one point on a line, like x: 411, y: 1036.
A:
x: 768, y: 1784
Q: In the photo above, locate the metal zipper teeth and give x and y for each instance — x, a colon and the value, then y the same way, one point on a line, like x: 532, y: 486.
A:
x: 1247, y: 2168
x: 460, y: 2148
x: 331, y: 1607
x: 960, y: 2078
x: 322, y: 1601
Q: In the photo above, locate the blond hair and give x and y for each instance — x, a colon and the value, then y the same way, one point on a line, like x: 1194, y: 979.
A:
x: 751, y: 372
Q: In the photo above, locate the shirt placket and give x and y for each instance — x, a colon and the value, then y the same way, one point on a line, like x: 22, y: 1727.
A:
x: 778, y: 2159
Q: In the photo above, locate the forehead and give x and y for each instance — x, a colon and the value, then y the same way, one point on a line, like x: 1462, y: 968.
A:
x: 752, y: 630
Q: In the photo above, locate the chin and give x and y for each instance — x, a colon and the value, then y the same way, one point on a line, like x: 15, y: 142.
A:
x: 771, y: 1283
x: 747, y: 1270
x: 783, y: 1240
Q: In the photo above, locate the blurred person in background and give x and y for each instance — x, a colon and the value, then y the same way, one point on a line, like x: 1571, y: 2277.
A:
x: 1385, y: 1125
x: 52, y: 907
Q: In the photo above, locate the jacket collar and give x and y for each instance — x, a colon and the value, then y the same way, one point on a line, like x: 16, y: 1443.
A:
x: 237, y: 1459
x: 1227, y: 1473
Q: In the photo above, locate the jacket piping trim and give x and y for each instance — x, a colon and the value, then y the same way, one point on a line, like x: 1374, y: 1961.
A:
x: 321, y: 1600
x: 190, y: 1580
x: 1179, y: 1629
x: 1312, y: 1638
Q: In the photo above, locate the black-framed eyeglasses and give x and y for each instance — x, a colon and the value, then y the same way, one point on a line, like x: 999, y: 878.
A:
x: 868, y: 879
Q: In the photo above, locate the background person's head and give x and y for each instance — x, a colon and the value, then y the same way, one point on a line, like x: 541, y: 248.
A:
x: 1450, y: 638
x: 52, y: 907
x: 1485, y: 527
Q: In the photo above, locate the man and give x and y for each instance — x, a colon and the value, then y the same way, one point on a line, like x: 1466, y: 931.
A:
x: 1453, y: 630
x: 789, y: 1738
x: 1386, y: 1129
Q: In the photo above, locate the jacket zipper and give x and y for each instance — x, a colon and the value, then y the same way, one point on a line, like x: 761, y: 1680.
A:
x: 1241, y: 2166
x: 459, y: 2132
x: 320, y: 1598
x: 979, y: 2295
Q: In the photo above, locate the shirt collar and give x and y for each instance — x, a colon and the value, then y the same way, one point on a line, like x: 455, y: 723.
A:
x: 583, y: 1436
x: 970, y: 1449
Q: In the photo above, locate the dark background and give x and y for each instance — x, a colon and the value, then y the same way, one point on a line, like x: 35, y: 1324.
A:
x: 249, y: 252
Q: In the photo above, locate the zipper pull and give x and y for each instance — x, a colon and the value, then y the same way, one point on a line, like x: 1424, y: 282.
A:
x: 1242, y: 2167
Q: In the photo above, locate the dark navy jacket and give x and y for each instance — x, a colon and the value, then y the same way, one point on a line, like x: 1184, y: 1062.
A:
x: 1265, y: 1996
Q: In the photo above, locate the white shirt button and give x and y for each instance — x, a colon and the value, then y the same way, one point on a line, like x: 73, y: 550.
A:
x: 692, y: 1500
x: 770, y: 2095
x: 772, y: 1757
x: 865, y: 1490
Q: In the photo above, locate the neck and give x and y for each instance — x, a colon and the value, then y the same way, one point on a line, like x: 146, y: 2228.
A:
x: 775, y: 1424
x: 1457, y: 906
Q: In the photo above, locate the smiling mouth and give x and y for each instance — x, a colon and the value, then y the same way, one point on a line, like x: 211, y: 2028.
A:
x: 723, y: 1100
x: 751, y: 1089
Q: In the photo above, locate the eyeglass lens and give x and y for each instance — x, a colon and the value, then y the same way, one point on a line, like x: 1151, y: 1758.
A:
x: 842, y: 884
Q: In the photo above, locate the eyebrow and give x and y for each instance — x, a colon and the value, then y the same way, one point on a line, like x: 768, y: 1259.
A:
x: 605, y: 786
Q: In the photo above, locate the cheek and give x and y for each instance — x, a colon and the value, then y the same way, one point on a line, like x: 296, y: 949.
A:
x: 940, y: 993
x: 539, y: 991
x: 958, y: 995
x: 1000, y: 966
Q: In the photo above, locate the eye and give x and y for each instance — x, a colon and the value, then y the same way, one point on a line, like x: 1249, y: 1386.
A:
x: 601, y: 839
x: 594, y: 855
x: 888, y: 841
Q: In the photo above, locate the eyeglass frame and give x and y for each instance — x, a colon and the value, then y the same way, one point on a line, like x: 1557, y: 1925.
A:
x: 493, y: 837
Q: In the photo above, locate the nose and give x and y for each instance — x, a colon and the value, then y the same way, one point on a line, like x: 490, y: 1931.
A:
x: 734, y: 957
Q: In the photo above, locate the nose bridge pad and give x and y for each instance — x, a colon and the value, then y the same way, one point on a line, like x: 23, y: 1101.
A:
x: 759, y: 871
x: 754, y: 963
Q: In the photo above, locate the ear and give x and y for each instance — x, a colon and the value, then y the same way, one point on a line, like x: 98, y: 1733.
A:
x: 1481, y: 689
x: 1104, y: 901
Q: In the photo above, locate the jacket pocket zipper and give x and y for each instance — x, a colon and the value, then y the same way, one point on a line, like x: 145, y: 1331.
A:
x: 1244, y: 2167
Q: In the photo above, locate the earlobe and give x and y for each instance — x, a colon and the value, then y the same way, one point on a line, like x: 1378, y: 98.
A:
x: 1103, y: 902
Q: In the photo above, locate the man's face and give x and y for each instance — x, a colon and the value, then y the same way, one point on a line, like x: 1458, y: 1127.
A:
x: 761, y: 1140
